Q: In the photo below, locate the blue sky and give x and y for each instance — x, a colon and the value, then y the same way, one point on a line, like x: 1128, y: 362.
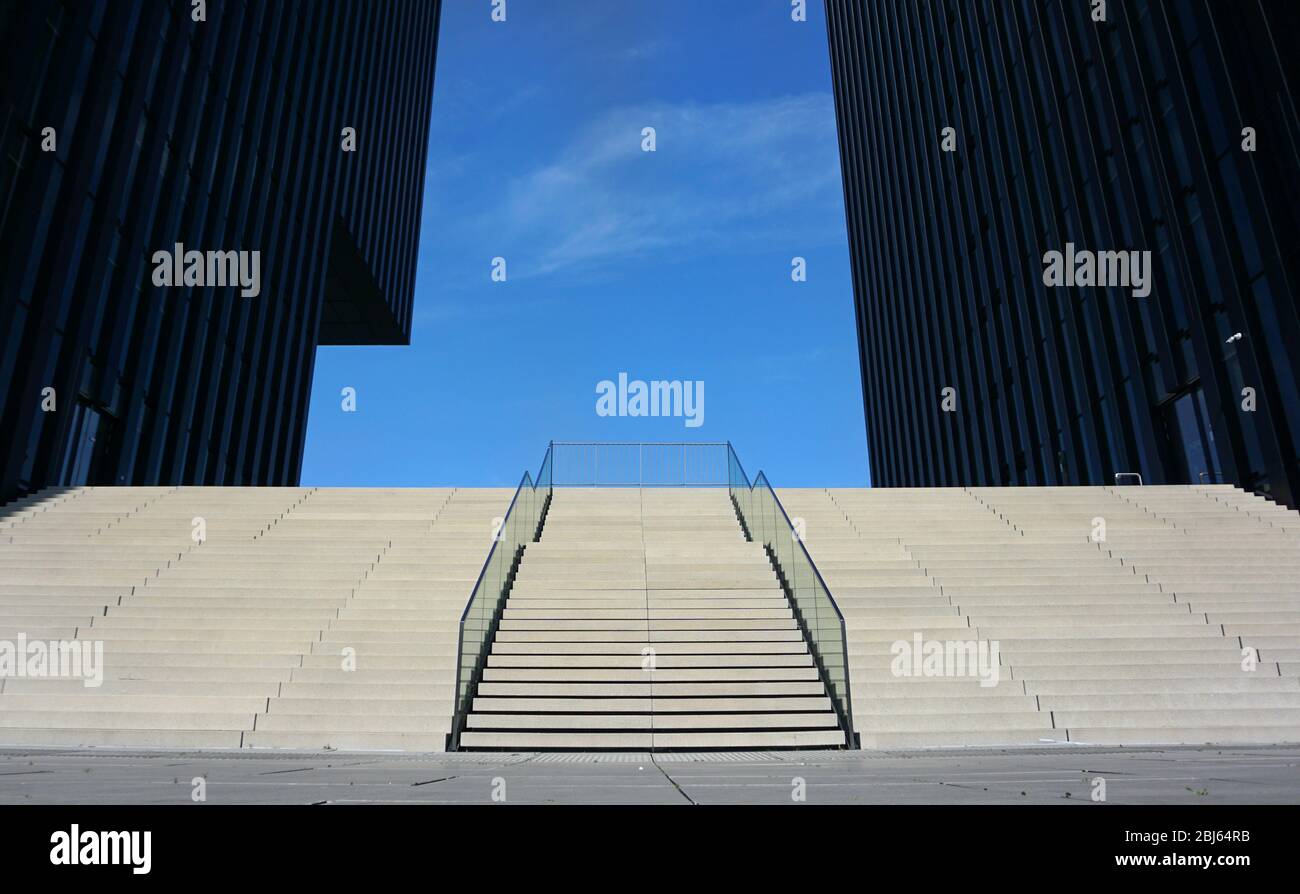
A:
x: 668, y: 265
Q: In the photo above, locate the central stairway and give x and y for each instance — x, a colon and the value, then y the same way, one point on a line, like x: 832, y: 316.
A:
x: 642, y: 619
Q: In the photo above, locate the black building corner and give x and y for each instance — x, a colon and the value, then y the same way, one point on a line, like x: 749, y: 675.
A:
x: 1124, y: 134
x: 127, y: 128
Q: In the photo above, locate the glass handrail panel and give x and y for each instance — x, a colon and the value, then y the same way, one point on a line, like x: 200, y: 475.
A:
x: 482, y: 613
x: 639, y: 464
x: 766, y: 522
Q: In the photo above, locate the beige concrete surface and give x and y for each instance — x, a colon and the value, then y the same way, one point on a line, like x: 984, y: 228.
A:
x: 316, y: 619
x: 302, y: 618
x: 1121, y: 613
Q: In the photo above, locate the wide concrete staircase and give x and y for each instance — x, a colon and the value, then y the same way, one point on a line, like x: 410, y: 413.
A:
x: 327, y: 619
x: 254, y: 617
x: 1122, y: 615
x: 643, y: 619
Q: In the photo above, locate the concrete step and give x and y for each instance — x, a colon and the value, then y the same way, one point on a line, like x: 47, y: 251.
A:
x: 659, y: 675
x: 413, y: 687
x: 1185, y: 701
x: 652, y: 720
x: 334, y: 705
x: 90, y: 719
x: 662, y: 661
x: 1239, y: 682
x: 694, y: 625
x: 787, y: 646
x: 1024, y: 718
x: 959, y: 738
x: 689, y: 613
x: 175, y: 736
x: 1008, y: 702
x: 94, y: 700
x: 659, y: 704
x: 645, y: 741
x: 1179, y: 718
x: 346, y: 740
x: 404, y: 722
x: 1274, y: 733
x: 730, y: 741
x: 645, y: 690
x: 1130, y: 671
x: 249, y: 691
x: 658, y: 634
x: 557, y: 741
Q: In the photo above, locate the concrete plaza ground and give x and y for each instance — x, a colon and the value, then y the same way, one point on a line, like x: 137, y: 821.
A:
x: 1048, y: 775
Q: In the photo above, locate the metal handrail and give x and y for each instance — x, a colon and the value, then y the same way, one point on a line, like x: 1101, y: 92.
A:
x: 1119, y: 475
x: 464, y: 695
x: 844, y: 705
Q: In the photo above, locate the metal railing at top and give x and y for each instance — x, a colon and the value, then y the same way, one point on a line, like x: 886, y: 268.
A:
x: 766, y: 522
x: 636, y: 464
x: 482, y: 615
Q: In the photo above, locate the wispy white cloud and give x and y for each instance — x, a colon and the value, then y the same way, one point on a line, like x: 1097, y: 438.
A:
x: 641, y: 52
x: 727, y: 177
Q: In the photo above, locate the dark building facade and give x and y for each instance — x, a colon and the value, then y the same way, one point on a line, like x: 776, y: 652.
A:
x: 128, y: 127
x: 1128, y: 134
